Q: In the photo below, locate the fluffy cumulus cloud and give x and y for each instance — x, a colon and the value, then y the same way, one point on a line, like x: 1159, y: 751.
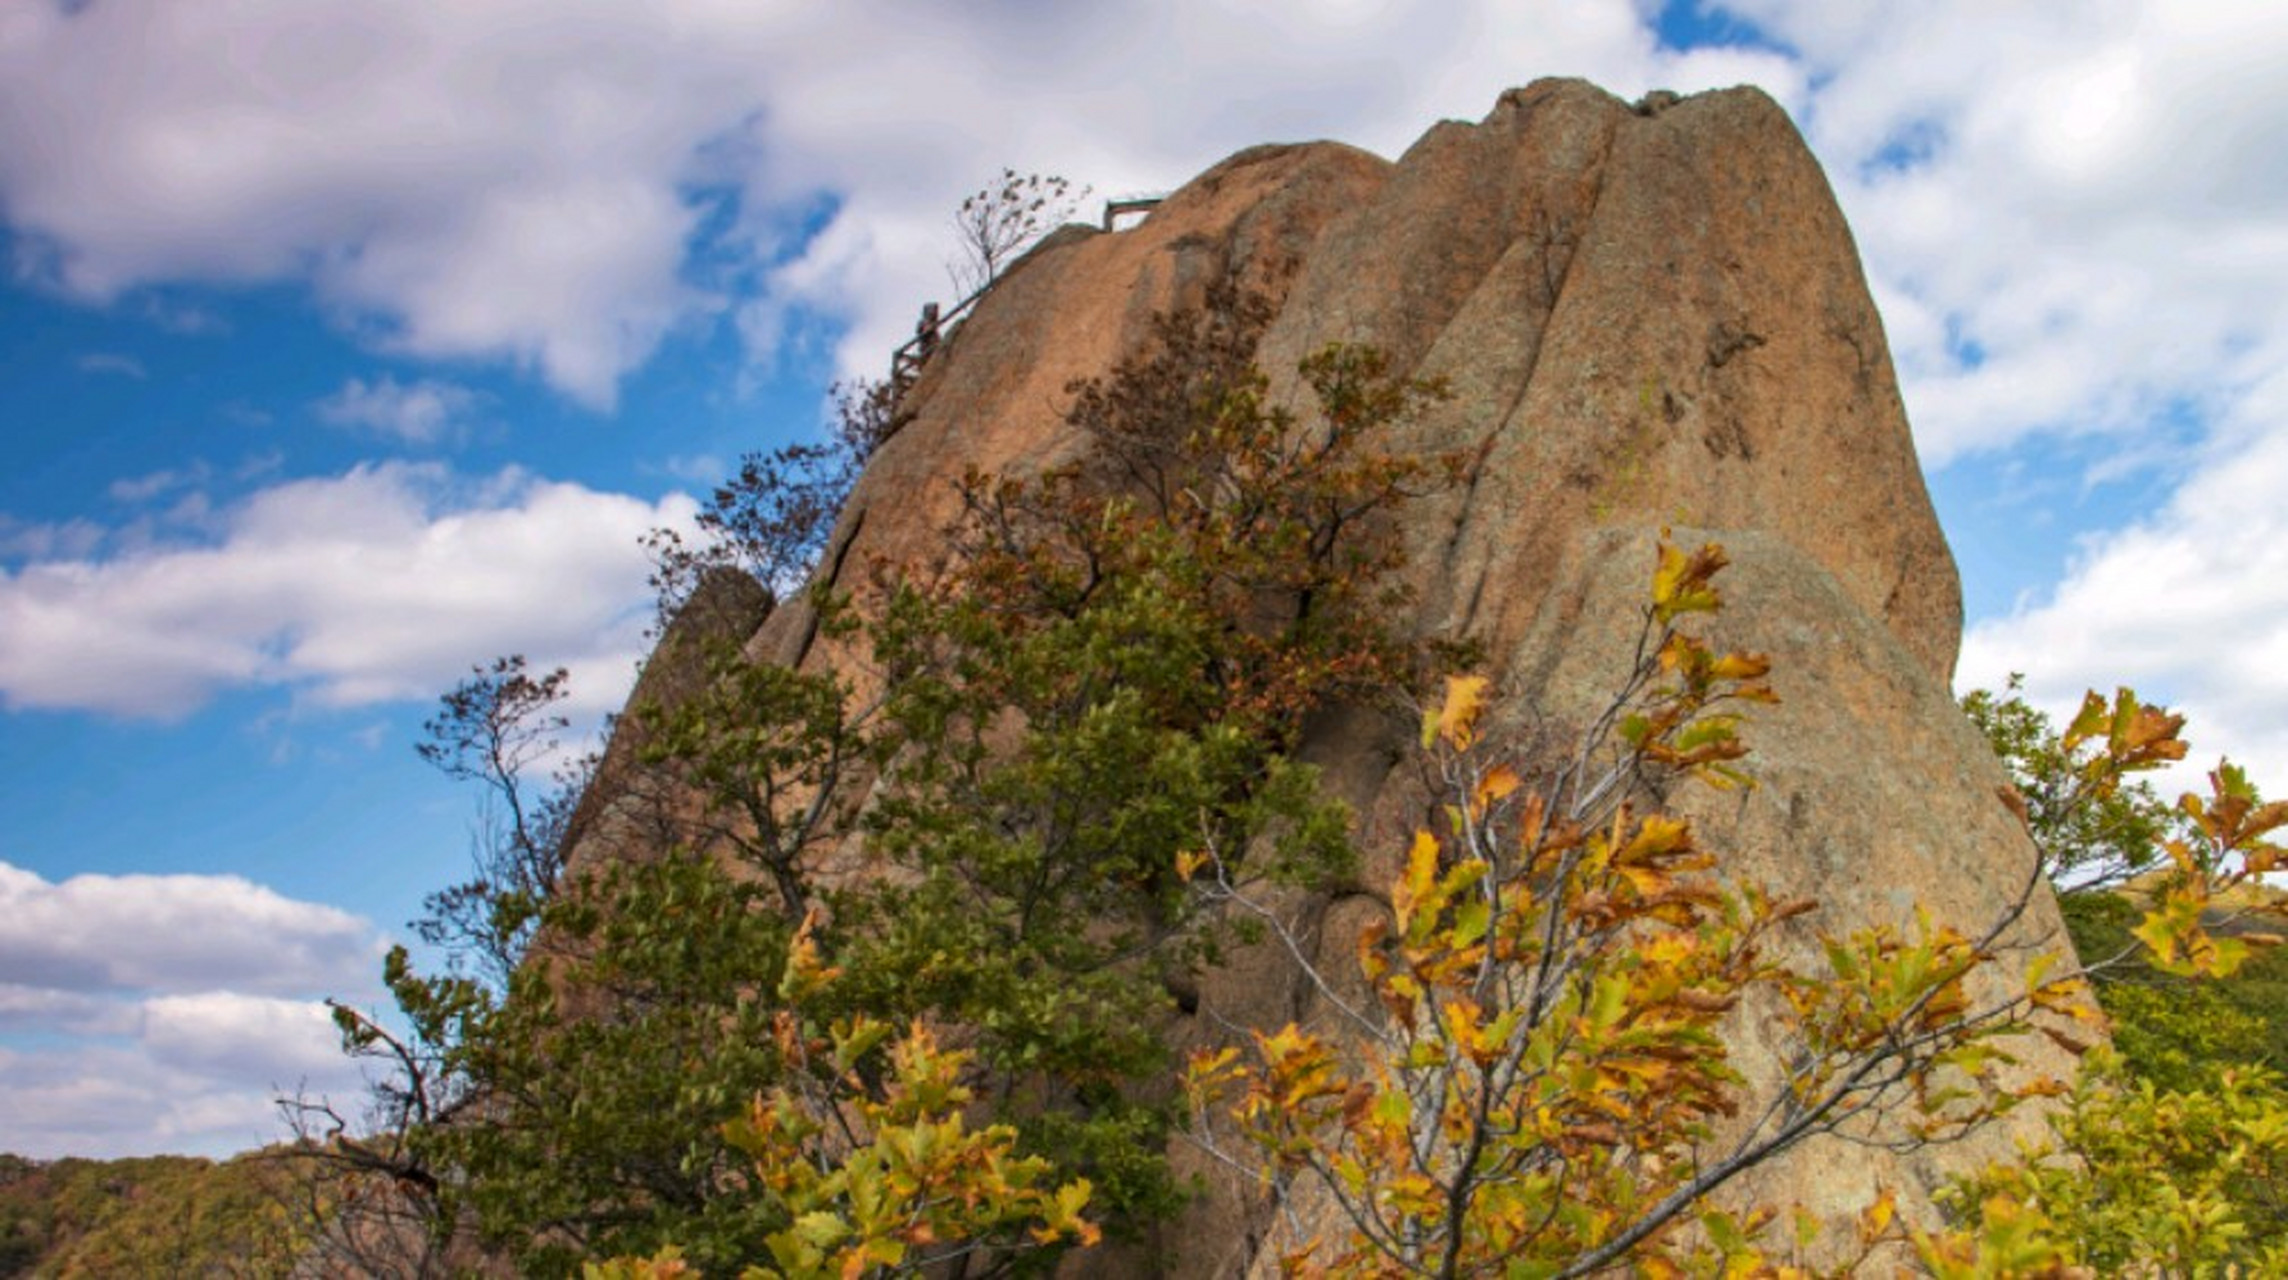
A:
x: 150, y: 1012
x: 374, y: 585
x: 499, y: 179
x: 175, y: 933
x: 2071, y: 213
x: 562, y: 183
x: 2188, y: 605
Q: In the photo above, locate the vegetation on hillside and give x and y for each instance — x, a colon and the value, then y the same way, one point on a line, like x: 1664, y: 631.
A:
x: 151, y: 1216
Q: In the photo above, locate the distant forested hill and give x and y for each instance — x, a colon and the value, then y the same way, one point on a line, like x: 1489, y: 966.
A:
x: 149, y: 1216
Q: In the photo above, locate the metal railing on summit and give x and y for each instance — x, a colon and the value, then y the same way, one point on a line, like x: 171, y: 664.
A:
x: 934, y: 326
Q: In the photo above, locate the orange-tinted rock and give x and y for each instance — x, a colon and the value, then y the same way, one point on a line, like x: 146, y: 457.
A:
x: 1648, y: 316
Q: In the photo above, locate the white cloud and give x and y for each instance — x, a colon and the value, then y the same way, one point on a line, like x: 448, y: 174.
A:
x: 162, y: 1012
x: 2188, y: 605
x: 2090, y: 201
x: 145, y: 1094
x: 36, y: 1008
x: 425, y: 411
x: 230, y: 1035
x: 136, y: 490
x: 522, y: 179
x: 692, y: 468
x: 29, y: 540
x: 383, y: 583
x: 499, y: 179
x: 175, y: 933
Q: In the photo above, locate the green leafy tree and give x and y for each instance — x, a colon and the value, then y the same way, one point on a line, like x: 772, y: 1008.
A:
x: 2098, y: 832
x: 771, y: 520
x: 493, y: 729
x: 2123, y: 851
x: 2144, y: 1180
x: 884, y: 1177
x: 1112, y: 670
x: 2168, y: 1156
x: 1111, y: 665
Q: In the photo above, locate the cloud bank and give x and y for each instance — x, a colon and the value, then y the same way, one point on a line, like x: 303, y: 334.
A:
x: 148, y: 1012
x: 423, y: 412
x: 562, y: 184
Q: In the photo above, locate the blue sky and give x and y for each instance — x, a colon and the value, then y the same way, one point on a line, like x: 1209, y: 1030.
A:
x: 345, y: 346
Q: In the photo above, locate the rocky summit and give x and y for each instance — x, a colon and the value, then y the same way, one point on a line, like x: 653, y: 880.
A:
x: 1649, y: 315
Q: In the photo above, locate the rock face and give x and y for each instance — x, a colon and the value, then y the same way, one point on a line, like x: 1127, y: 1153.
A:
x: 1649, y: 315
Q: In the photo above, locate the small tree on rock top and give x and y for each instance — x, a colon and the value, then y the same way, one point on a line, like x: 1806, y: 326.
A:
x: 995, y: 226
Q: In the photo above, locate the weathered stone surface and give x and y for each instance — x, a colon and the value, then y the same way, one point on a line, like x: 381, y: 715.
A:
x: 1648, y: 316
x: 1652, y: 319
x: 993, y: 398
x: 1875, y: 794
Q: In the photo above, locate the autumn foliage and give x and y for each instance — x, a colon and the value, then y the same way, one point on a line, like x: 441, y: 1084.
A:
x: 1543, y: 1084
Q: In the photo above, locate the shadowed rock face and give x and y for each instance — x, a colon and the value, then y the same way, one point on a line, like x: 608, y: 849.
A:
x: 1648, y: 316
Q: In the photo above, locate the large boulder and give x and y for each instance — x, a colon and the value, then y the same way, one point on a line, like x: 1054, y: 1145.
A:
x: 1649, y: 315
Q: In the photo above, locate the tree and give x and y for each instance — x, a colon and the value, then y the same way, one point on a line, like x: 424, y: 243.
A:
x: 377, y: 1197
x: 2097, y: 837
x: 880, y: 1178
x: 772, y: 520
x: 2171, y: 1154
x: 1543, y: 1087
x: 2198, y: 865
x: 1108, y: 670
x: 493, y: 729
x: 995, y: 226
x: 1104, y: 667
x: 1115, y: 657
x: 2143, y: 1180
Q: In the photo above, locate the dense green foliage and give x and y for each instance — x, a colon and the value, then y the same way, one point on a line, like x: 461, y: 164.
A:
x: 2096, y: 839
x: 2139, y: 1179
x: 2175, y: 1033
x: 1108, y: 670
